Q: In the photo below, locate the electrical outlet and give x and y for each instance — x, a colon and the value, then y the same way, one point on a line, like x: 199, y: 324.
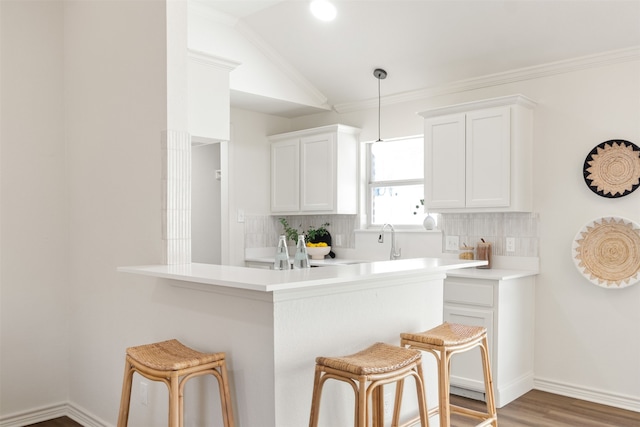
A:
x: 240, y: 215
x: 511, y: 244
x: 338, y: 240
x: 389, y: 399
x: 452, y: 243
x: 144, y: 395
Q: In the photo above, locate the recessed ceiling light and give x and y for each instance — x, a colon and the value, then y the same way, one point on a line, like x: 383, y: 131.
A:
x: 323, y: 10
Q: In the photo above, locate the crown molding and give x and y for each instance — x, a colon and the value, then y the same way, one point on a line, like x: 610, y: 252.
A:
x: 212, y: 60
x: 521, y: 74
x: 501, y: 101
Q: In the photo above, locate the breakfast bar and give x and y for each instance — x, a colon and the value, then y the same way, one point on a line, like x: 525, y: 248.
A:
x: 273, y: 324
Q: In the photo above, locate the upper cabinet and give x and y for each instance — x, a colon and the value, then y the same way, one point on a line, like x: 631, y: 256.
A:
x: 208, y: 97
x: 314, y: 171
x: 478, y: 156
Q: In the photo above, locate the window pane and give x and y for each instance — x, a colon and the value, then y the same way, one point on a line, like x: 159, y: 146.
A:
x: 400, y: 159
x: 397, y: 204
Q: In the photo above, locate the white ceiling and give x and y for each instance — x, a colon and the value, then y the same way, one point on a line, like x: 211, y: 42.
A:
x: 428, y: 43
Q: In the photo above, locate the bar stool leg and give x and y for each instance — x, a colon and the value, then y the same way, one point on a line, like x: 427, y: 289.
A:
x: 181, y: 385
x: 225, y: 396
x: 125, y: 400
x: 315, y: 399
x: 378, y: 406
x: 488, y: 381
x: 174, y: 401
x: 444, y: 362
x: 361, y: 419
x: 422, y: 397
x: 397, y: 403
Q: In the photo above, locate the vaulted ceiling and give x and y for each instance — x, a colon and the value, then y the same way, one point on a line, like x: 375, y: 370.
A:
x: 424, y: 44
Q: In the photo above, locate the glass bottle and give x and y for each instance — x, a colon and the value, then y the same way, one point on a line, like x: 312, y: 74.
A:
x: 301, y: 259
x: 281, y: 261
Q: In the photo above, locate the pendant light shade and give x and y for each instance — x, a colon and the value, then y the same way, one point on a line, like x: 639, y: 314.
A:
x: 379, y: 74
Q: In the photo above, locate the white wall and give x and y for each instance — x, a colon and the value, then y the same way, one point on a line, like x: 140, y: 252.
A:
x: 249, y: 176
x: 34, y: 274
x: 205, y: 204
x: 116, y: 109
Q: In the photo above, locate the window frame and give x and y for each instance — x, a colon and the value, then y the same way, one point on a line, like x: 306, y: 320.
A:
x: 370, y: 184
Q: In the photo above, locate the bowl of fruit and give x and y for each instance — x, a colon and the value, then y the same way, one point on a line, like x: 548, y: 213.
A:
x: 318, y: 250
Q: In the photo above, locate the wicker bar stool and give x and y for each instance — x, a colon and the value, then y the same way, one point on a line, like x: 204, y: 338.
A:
x: 167, y: 362
x: 443, y: 342
x: 367, y: 371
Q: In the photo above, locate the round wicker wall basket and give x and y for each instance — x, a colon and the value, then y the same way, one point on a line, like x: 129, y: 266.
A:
x: 612, y: 168
x: 607, y: 252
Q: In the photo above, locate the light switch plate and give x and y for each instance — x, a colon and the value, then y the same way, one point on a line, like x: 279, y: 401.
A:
x: 144, y: 396
x: 452, y: 243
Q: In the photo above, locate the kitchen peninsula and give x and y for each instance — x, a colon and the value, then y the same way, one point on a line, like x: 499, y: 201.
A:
x: 280, y: 321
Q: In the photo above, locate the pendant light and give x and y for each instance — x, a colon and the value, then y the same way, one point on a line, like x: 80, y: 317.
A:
x: 379, y: 74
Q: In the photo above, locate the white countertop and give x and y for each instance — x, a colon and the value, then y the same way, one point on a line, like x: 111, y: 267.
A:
x: 274, y: 280
x: 491, y: 273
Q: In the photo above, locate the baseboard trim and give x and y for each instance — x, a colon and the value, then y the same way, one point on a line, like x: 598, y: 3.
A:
x: 510, y: 392
x: 85, y: 418
x: 631, y: 403
x: 33, y: 416
x: 46, y: 413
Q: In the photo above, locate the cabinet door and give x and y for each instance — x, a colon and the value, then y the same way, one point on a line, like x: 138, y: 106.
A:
x: 285, y: 176
x: 444, y: 157
x: 466, y: 368
x: 317, y: 172
x: 488, y: 158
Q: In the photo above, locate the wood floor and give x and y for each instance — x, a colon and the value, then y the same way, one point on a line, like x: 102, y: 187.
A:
x: 534, y: 409
x: 540, y: 409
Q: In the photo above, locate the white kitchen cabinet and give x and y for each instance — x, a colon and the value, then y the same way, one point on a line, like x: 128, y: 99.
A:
x: 505, y: 308
x: 208, y: 97
x: 478, y: 156
x: 315, y: 171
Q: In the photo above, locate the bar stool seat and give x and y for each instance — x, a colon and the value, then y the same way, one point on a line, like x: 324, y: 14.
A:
x: 367, y: 371
x: 443, y: 342
x: 167, y: 362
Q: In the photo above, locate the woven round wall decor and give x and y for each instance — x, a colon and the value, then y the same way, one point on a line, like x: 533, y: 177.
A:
x: 612, y: 168
x: 607, y: 252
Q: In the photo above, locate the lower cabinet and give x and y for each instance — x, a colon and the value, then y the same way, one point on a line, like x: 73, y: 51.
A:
x: 506, y: 309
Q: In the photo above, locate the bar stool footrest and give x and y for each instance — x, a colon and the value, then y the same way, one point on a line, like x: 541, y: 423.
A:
x: 455, y: 409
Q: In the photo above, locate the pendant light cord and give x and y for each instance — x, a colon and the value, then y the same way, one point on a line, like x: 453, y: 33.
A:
x: 379, y: 74
x: 378, y: 111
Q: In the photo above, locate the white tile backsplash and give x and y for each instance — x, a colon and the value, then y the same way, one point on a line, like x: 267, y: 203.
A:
x: 494, y: 228
x: 176, y: 197
x: 262, y: 231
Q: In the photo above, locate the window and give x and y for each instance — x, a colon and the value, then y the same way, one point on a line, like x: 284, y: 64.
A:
x: 396, y: 181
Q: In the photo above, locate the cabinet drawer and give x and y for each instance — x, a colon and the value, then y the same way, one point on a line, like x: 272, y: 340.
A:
x: 468, y: 293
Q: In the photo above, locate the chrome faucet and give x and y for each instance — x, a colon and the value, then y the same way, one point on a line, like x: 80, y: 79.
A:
x: 394, y: 254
